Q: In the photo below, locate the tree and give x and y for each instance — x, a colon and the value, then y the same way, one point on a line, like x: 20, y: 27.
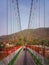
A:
x: 2, y: 45
x: 43, y: 43
x: 25, y: 40
x: 18, y: 43
x: 48, y: 43
x: 35, y: 42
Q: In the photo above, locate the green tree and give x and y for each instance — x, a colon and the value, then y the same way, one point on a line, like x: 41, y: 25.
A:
x: 2, y: 45
x: 48, y: 43
x: 43, y: 43
x: 18, y: 43
x: 25, y: 40
x: 35, y: 42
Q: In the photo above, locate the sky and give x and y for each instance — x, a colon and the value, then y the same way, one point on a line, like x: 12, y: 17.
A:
x: 24, y: 9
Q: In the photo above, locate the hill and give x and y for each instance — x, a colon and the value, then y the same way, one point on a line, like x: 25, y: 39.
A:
x: 26, y: 35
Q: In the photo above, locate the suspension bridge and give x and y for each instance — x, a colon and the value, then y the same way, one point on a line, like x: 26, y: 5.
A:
x: 24, y: 54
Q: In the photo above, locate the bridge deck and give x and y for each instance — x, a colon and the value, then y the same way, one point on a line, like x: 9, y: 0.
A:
x: 24, y: 58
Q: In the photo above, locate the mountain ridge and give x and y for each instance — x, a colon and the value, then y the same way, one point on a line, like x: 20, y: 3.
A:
x: 38, y: 33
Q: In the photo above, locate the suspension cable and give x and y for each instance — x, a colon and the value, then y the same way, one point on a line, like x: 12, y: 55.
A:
x: 39, y: 13
x: 18, y: 14
x: 30, y: 13
x: 7, y: 20
x: 44, y: 13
